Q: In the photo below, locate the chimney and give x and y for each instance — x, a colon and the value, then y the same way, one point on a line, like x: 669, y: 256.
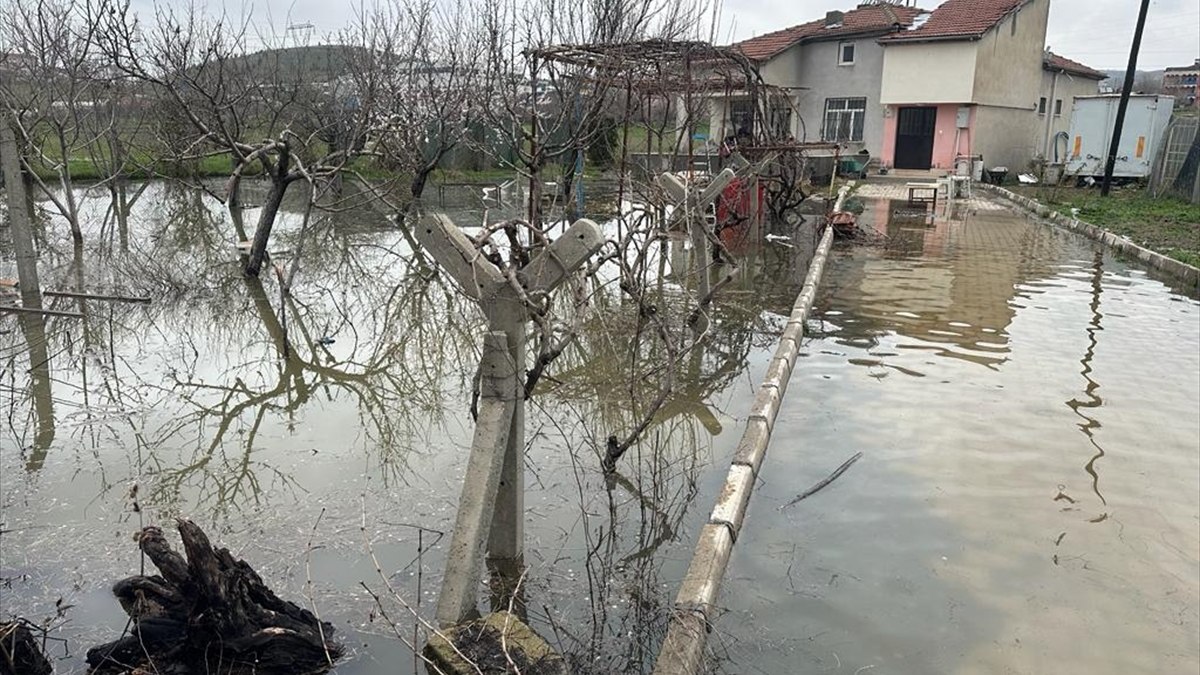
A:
x: 833, y: 18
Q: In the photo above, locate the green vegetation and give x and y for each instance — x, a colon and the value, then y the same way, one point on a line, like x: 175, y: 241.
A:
x: 1165, y: 224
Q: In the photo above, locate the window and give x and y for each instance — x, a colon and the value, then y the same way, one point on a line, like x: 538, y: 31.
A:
x: 1057, y: 107
x: 1042, y: 105
x: 845, y: 53
x: 741, y: 116
x: 844, y: 119
x: 780, y: 117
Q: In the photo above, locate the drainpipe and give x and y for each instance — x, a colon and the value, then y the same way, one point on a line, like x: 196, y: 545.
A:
x: 1049, y: 118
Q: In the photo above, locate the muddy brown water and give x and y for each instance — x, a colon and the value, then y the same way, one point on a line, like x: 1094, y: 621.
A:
x: 350, y: 448
x: 1028, y: 500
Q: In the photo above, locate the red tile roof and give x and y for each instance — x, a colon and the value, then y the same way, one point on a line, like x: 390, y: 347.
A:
x: 1052, y: 61
x: 863, y: 20
x: 965, y: 19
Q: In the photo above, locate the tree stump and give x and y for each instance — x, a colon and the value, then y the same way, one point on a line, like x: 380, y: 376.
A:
x: 209, y: 613
x: 19, y: 651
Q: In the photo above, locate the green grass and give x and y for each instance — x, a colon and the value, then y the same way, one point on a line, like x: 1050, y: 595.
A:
x: 85, y: 169
x: 1165, y: 224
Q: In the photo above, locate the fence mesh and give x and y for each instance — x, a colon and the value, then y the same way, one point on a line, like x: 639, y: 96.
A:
x: 1177, y: 167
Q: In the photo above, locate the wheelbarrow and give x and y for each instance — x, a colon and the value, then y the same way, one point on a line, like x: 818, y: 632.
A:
x: 855, y: 165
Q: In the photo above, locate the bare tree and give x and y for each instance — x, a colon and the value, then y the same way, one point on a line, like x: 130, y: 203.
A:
x: 62, y: 96
x: 420, y: 63
x: 284, y: 113
x: 545, y: 108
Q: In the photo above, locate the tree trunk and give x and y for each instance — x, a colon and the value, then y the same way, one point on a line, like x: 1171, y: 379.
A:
x: 19, y: 651
x: 266, y: 219
x: 418, y: 182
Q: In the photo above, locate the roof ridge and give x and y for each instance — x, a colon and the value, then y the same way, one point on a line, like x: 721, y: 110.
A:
x: 863, y: 19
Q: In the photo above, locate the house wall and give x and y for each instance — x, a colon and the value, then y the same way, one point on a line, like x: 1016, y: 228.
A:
x: 1006, y: 137
x: 1062, y: 87
x: 1008, y: 60
x: 782, y: 71
x: 928, y: 72
x: 824, y: 78
x: 946, y: 135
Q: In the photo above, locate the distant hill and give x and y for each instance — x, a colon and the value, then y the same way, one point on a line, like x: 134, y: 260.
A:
x: 316, y: 63
x: 1146, y: 81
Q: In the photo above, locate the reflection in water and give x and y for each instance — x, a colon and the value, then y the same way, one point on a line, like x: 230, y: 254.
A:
x: 33, y: 326
x: 1089, y: 425
x: 253, y: 411
x: 931, y: 555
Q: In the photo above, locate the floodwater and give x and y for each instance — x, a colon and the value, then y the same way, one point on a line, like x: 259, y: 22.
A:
x: 1028, y: 499
x: 323, y: 437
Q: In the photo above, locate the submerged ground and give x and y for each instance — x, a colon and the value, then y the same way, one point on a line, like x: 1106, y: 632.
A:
x: 1025, y: 406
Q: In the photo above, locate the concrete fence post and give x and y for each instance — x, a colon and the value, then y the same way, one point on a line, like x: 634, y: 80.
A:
x: 464, y: 560
x: 496, y: 470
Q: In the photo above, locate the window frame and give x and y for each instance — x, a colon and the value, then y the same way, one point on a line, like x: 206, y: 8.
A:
x: 1058, y: 107
x: 853, y: 109
x: 842, y: 53
x: 1042, y: 106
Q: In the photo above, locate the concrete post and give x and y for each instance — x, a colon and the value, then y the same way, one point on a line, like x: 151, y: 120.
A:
x: 18, y: 218
x: 464, y: 561
x: 507, y: 530
x: 502, y: 302
x: 690, y: 206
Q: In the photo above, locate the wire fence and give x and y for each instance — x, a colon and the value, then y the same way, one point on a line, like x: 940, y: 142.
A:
x: 1176, y: 170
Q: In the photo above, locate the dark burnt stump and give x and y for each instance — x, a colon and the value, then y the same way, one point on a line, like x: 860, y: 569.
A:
x: 208, y: 613
x: 20, y: 653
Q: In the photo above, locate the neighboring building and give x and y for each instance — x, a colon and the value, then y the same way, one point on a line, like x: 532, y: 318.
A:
x: 966, y: 81
x: 1062, y: 80
x: 1183, y: 83
x: 827, y: 72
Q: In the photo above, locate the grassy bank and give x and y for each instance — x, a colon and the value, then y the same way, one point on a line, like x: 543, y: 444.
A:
x: 1165, y: 224
x: 82, y: 169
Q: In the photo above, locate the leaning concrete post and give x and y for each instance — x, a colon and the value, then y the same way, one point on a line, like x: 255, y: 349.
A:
x: 690, y: 208
x: 503, y: 301
x: 464, y: 561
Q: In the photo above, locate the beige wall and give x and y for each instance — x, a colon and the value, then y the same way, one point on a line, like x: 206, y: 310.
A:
x: 929, y: 72
x: 1061, y: 87
x: 1008, y: 62
x: 784, y: 69
x: 1006, y: 137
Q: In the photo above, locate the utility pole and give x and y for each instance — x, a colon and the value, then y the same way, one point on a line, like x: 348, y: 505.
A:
x: 1125, y: 90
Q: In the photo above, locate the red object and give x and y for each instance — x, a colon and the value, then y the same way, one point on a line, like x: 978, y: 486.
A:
x: 734, y: 210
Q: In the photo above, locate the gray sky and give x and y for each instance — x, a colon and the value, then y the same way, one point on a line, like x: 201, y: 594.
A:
x: 1095, y: 32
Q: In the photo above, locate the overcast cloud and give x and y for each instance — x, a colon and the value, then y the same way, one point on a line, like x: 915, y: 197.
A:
x: 1095, y: 32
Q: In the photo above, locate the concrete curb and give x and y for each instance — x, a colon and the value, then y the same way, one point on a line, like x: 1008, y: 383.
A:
x: 1167, y: 265
x: 682, y: 651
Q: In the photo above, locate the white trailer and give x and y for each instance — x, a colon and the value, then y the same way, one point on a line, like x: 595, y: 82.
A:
x: 1092, y: 121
